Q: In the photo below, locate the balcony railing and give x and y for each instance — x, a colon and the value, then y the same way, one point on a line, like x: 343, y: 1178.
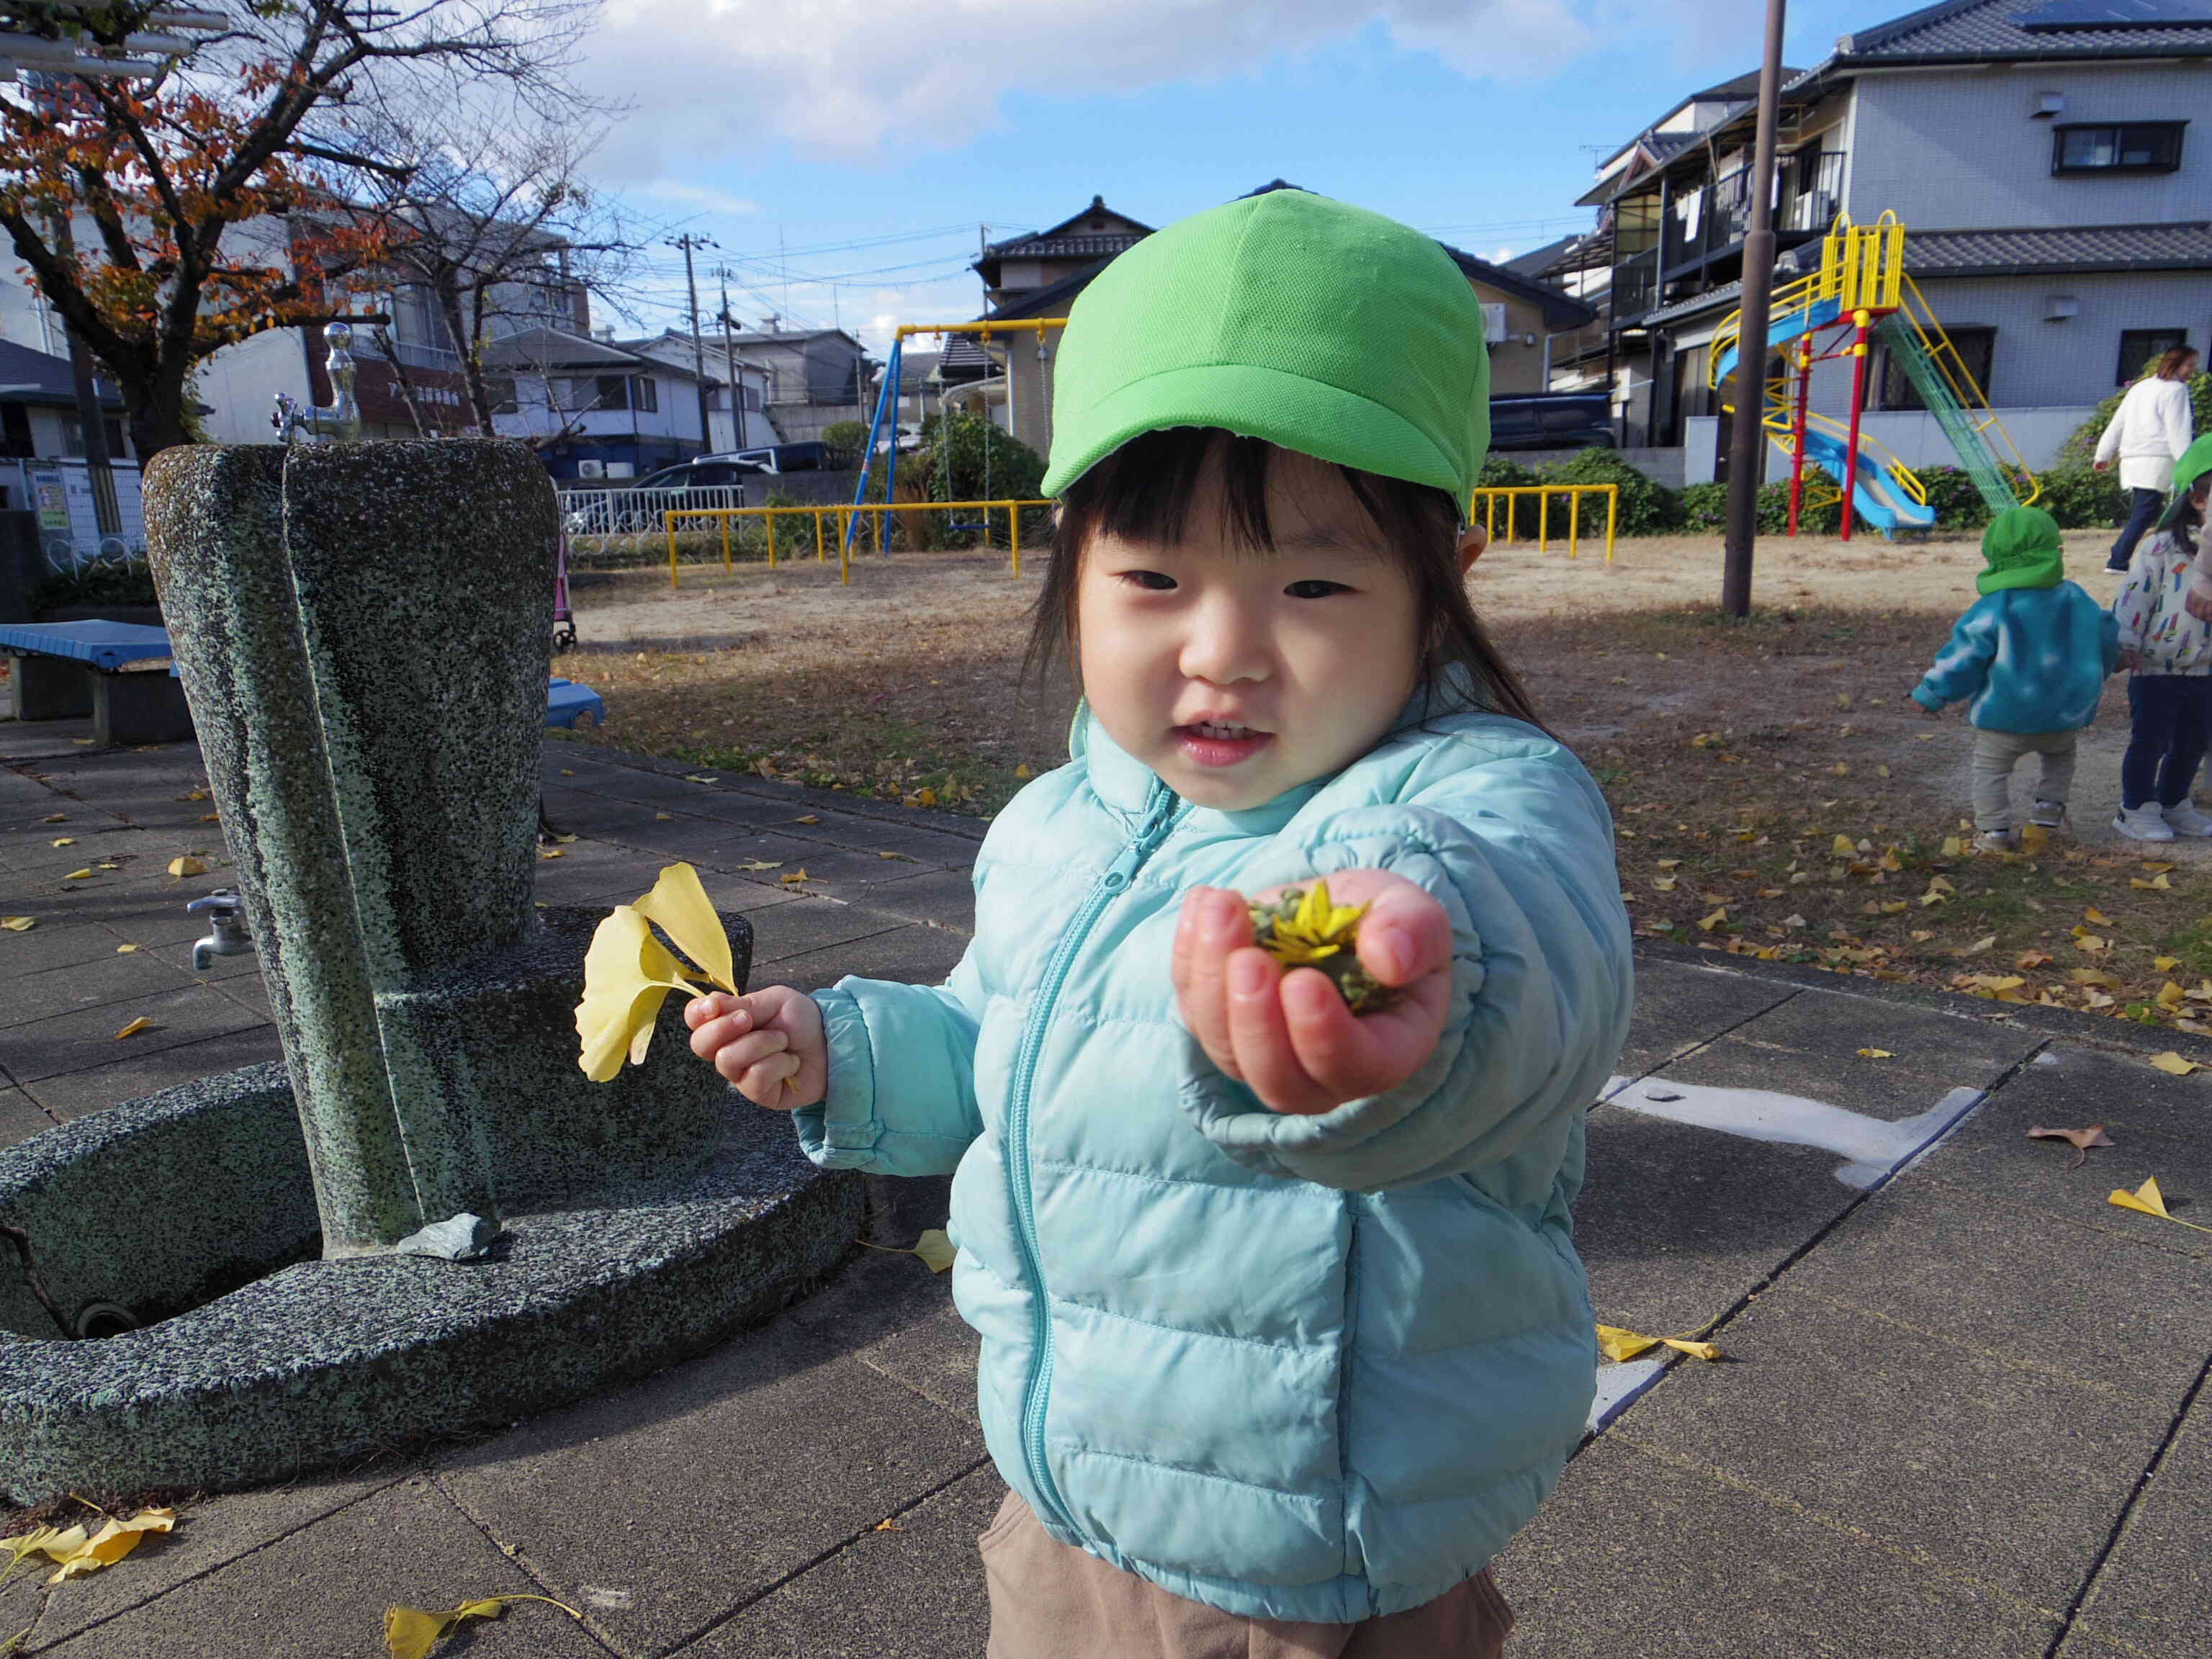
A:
x: 1636, y: 284
x: 405, y: 351
x: 1714, y: 218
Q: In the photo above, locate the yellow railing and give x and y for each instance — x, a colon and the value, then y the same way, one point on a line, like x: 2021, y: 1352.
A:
x: 1488, y: 497
x: 841, y: 514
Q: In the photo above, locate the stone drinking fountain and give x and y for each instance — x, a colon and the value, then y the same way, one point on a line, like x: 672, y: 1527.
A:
x: 205, y: 1290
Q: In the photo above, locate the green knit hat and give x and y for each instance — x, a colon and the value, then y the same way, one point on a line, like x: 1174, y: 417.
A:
x: 1321, y: 327
x: 2023, y: 548
x: 2195, y: 461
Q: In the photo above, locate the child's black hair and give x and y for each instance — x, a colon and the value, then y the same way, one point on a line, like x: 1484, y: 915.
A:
x: 1143, y: 491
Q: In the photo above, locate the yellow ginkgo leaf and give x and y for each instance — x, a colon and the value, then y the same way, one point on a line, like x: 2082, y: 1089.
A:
x: 110, y: 1544
x: 1844, y: 847
x: 1952, y: 845
x: 1023, y: 771
x: 186, y: 866
x: 2174, y: 1064
x: 2093, y: 915
x: 1707, y: 924
x: 124, y: 949
x: 411, y: 1633
x: 1875, y: 1054
x: 900, y: 858
x: 133, y: 1028
x: 2157, y: 884
x: 84, y: 874
x: 1695, y: 1349
x: 810, y: 818
x: 626, y: 975
x: 550, y: 853
x: 65, y: 840
x: 679, y: 906
x: 799, y: 874
x: 2149, y: 1201
x: 1618, y: 1343
x: 935, y: 1249
x: 2165, y: 964
x: 19, y: 924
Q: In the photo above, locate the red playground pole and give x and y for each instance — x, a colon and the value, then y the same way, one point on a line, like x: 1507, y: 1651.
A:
x: 1797, y: 445
x: 1860, y: 319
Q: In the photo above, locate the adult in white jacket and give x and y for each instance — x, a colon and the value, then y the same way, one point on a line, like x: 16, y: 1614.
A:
x: 2147, y: 434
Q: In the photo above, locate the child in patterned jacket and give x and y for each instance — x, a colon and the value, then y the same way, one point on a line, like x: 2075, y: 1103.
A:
x: 2169, y: 653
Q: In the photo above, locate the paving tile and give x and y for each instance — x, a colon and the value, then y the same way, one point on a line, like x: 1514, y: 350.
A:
x: 54, y: 943
x: 324, y: 1589
x: 210, y: 1534
x: 817, y: 924
x: 151, y: 905
x: 76, y: 1094
x: 944, y: 897
x: 1635, y: 1556
x: 98, y: 982
x: 77, y: 1040
x: 807, y: 1449
x: 891, y: 1313
x: 20, y: 1117
x: 937, y: 847
x: 915, y: 954
x: 1676, y: 1222
x: 2009, y: 1476
x: 1809, y: 1045
x: 40, y: 861
x: 913, y: 1592
x: 2063, y: 1295
x: 1679, y: 1006
x: 177, y: 953
x: 2154, y: 1592
x: 2163, y: 1125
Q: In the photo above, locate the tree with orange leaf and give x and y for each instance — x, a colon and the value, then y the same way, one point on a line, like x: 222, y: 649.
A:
x: 165, y: 215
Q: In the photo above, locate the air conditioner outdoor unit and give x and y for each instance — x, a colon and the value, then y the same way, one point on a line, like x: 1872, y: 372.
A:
x: 591, y: 469
x: 1493, y: 323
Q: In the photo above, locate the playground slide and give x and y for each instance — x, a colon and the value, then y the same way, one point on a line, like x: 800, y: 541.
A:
x: 1878, y: 500
x: 1782, y: 331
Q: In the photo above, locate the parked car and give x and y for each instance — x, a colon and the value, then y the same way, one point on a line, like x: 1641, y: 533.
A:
x: 809, y: 457
x: 1551, y: 420
x: 702, y: 472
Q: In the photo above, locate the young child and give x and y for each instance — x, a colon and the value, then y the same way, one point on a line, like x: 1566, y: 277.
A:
x: 2169, y: 648
x: 1284, y: 1335
x: 2033, y: 652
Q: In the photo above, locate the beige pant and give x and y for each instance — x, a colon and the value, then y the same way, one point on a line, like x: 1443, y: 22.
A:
x: 1995, y: 756
x: 1052, y: 1601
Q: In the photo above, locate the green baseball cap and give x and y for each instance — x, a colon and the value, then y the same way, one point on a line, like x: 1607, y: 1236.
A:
x: 1319, y: 326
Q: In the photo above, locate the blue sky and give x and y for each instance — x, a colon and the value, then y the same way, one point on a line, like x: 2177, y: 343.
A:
x: 844, y: 122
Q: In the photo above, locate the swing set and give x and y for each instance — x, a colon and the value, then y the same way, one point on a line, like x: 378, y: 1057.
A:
x: 887, y: 399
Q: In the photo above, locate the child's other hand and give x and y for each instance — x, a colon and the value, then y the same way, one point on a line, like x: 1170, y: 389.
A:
x: 1288, y: 1036
x: 769, y: 1044
x: 2131, y: 661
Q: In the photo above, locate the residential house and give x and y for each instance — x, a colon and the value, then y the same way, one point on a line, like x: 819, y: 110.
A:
x: 2040, y: 154
x: 1519, y: 314
x: 592, y: 408
x: 816, y: 377
x: 737, y: 420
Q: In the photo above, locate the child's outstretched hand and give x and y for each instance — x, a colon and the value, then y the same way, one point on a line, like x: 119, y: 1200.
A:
x: 768, y: 1042
x: 1288, y: 1036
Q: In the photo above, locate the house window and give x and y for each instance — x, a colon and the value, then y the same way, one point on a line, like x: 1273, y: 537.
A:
x: 1977, y: 349
x: 500, y: 390
x: 613, y: 391
x: 2142, y: 348
x: 648, y: 392
x: 2132, y: 147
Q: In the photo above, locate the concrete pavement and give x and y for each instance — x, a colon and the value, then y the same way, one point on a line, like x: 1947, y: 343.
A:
x: 1963, y: 1411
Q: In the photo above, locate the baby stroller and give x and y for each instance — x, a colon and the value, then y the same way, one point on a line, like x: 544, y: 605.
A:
x: 564, y: 618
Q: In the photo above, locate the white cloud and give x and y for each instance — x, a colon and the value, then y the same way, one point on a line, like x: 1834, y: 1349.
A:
x: 673, y: 190
x: 846, y: 78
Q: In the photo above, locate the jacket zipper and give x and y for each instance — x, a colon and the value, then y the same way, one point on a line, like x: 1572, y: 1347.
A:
x: 1160, y: 819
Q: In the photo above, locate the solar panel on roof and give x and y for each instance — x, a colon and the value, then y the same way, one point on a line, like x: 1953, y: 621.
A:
x: 2054, y: 15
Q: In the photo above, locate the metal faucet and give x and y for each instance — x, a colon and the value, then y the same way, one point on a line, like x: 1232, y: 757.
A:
x: 341, y: 418
x: 229, y: 938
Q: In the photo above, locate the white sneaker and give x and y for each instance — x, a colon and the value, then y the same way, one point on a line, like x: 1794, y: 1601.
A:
x: 1997, y: 841
x: 2048, y: 814
x: 2144, y: 823
x: 2186, y: 820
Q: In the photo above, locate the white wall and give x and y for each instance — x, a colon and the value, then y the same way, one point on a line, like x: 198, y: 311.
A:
x: 1958, y: 149
x: 239, y: 384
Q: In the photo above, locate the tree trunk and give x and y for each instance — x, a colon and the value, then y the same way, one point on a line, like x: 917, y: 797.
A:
x: 154, y: 427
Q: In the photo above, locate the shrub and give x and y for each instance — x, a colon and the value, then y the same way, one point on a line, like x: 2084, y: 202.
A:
x: 846, y: 439
x: 1502, y: 473
x: 969, y: 457
x: 97, y: 581
x: 1705, y: 507
x: 1950, y: 493
x: 1646, y: 509
x: 2082, y: 498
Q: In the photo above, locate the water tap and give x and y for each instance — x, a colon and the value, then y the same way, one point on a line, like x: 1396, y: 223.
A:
x: 229, y: 938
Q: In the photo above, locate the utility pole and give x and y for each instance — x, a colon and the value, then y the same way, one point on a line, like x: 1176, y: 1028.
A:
x: 1747, y: 428
x: 687, y: 241
x: 730, y: 365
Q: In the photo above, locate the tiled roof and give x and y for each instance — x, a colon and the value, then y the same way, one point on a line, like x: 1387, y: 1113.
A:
x: 1994, y: 29
x: 2073, y: 247
x: 1065, y: 247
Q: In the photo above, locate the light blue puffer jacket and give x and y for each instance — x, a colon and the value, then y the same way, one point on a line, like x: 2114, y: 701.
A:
x: 1310, y: 1368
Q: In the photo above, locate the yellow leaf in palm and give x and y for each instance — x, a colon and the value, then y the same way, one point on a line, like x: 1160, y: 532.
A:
x: 626, y: 975
x: 679, y: 906
x: 935, y: 1249
x: 1618, y: 1343
x: 2174, y: 1064
x: 1317, y: 930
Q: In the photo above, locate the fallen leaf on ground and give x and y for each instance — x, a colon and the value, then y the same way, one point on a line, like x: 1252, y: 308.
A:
x: 758, y: 864
x: 19, y: 924
x: 84, y: 874
x: 1952, y: 847
x: 2080, y: 1139
x: 1707, y: 924
x: 65, y: 840
x: 796, y: 875
x: 2093, y: 915
x: 2165, y: 964
x: 55, y: 817
x: 410, y: 1633
x: 664, y: 817
x: 564, y: 840
x: 186, y: 866
x: 1619, y: 1345
x: 809, y: 818
x: 2156, y: 885
x: 550, y: 853
x: 133, y: 1028
x: 934, y: 1247
x: 2033, y: 959
x: 1844, y: 847
x: 698, y: 777
x: 1023, y: 771
x: 2174, y: 1064
x: 1695, y: 1349
x: 124, y: 949
x: 903, y: 858
x: 1987, y: 942
x: 1876, y: 1053
x: 889, y: 1526
x: 109, y: 1545
x: 2149, y: 1201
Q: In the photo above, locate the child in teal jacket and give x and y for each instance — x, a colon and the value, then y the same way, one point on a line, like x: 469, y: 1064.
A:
x: 2033, y: 654
x: 1281, y: 1315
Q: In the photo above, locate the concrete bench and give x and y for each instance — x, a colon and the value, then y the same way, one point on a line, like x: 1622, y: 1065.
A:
x: 117, y: 673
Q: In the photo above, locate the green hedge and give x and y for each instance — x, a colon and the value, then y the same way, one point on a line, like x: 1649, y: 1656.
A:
x: 97, y: 581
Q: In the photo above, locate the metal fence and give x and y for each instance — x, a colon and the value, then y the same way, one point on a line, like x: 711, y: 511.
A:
x: 618, y: 520
x: 841, y: 516
x: 1487, y: 499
